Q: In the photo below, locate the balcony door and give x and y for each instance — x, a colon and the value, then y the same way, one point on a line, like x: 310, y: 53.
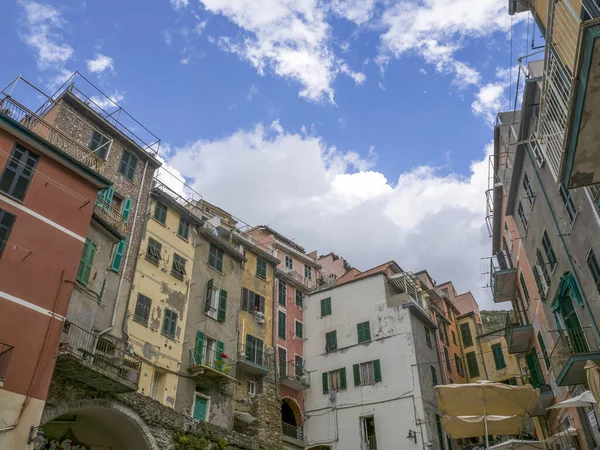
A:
x: 577, y: 341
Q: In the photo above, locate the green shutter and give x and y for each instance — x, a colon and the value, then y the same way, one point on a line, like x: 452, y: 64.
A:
x: 281, y: 318
x: 356, y: 371
x: 377, y: 367
x: 220, y: 350
x: 259, y: 351
x: 364, y: 332
x: 108, y: 197
x: 249, y: 348
x: 222, y: 313
x: 117, y: 259
x: 199, y: 347
x: 126, y: 209
x: 326, y: 306
x: 81, y: 269
x: 343, y: 378
x: 87, y: 262
x: 325, y: 382
x: 209, y: 289
x: 101, y: 197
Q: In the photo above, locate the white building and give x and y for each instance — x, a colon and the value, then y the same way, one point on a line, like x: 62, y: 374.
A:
x: 371, y: 350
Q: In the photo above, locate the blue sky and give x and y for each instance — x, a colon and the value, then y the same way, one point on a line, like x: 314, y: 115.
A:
x: 358, y: 126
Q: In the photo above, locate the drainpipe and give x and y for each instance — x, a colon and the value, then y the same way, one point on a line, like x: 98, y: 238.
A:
x: 135, y: 215
x: 573, y: 273
x: 273, y: 339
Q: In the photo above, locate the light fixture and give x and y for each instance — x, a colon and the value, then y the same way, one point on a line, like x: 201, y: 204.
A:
x: 412, y: 435
x: 36, y: 437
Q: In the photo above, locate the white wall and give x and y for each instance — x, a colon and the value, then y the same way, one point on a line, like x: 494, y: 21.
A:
x: 338, y: 423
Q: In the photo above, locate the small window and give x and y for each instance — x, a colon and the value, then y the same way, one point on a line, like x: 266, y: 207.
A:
x: 592, y: 263
x: 334, y: 381
x: 282, y: 353
x: 142, y: 309
x: 364, y: 332
x: 169, y: 323
x: 261, y: 268
x: 326, y: 307
x: 565, y: 196
x: 472, y: 365
x: 178, y: 267
x: 331, y: 341
x: 251, y: 388
x: 160, y: 212
x: 367, y: 373
x: 454, y: 338
x: 428, y: 337
x: 87, y: 262
x: 550, y: 256
x: 528, y: 190
x: 127, y: 165
x: 434, y: 375
x: 522, y: 216
x: 281, y: 325
x: 447, y: 358
x: 99, y: 145
x: 117, y: 256
x: 307, y: 272
x: 524, y: 289
x: 459, y: 365
x: 465, y: 331
x: 299, y: 298
x: 153, y: 252
x: 215, y: 302
x: 299, y: 330
x: 498, y: 356
x: 215, y: 258
x: 18, y: 172
x: 7, y: 220
x: 252, y: 302
x: 282, y: 293
x: 289, y: 263
x: 368, y: 432
x: 183, y: 231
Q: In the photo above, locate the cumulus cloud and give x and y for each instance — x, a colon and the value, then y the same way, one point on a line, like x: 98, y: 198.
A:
x: 110, y: 101
x: 490, y: 100
x: 336, y: 200
x: 100, y: 63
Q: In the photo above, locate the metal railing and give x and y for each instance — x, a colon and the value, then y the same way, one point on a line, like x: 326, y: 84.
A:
x: 492, y: 265
x: 309, y: 283
x: 372, y: 442
x: 208, y: 357
x: 254, y: 354
x: 111, y: 215
x: 224, y: 235
x: 99, y: 352
x: 5, y: 354
x: 570, y: 342
x: 292, y: 431
x: 30, y: 120
x: 294, y: 371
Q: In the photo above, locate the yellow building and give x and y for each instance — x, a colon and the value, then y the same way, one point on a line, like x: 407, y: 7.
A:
x: 159, y: 297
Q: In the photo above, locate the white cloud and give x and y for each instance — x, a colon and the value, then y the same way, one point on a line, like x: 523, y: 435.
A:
x: 489, y: 101
x: 185, y: 60
x: 100, y: 63
x: 177, y: 4
x: 357, y: 11
x: 42, y: 26
x: 422, y: 71
x: 334, y: 200
x: 55, y: 81
x: 252, y: 92
x: 109, y: 103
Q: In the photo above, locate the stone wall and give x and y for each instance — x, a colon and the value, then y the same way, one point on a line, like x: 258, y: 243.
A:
x: 159, y: 423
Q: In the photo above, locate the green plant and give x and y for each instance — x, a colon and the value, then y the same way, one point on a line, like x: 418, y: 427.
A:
x: 221, y: 444
x: 190, y: 442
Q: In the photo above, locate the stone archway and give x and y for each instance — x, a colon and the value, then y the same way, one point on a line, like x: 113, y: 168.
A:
x: 99, y: 423
x: 290, y: 412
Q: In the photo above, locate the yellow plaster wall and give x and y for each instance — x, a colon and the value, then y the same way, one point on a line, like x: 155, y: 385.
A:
x: 512, y: 365
x: 159, y: 352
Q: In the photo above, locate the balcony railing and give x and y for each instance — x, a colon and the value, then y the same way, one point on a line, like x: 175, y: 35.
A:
x: 30, y: 120
x: 310, y: 283
x: 110, y: 215
x: 201, y: 357
x: 254, y: 358
x: 294, y: 375
x: 499, y: 274
x: 5, y: 354
x: 95, y: 351
x: 292, y: 431
x: 572, y: 347
x: 372, y: 442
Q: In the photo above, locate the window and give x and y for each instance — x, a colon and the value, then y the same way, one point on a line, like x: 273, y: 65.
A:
x: 528, y: 190
x: 169, y: 323
x: 252, y: 302
x: 215, y: 258
x: 282, y: 293
x: 254, y: 349
x: 364, y: 332
x: 459, y: 365
x: 550, y: 256
x: 326, y: 307
x: 428, y: 336
x: 178, y: 268
x: 201, y: 407
x: 443, y: 330
x: 99, y: 144
x: 592, y: 263
x: 18, y: 172
x: 127, y: 165
x: 299, y: 329
x: 160, y: 212
x: 209, y: 352
x: 299, y: 298
x: 450, y: 381
x: 281, y: 317
x: 261, y: 268
x: 215, y: 302
x: 334, y: 381
x: 543, y: 349
x: 367, y: 373
x: 156, y: 381
x: 524, y: 288
x: 183, y: 231
x: 453, y: 337
x: 153, y: 252
x: 86, y: 263
x: 434, y: 375
x: 142, y: 309
x: 307, y: 272
x: 465, y: 331
x: 282, y: 354
x: 565, y: 196
x: 595, y: 191
x: 472, y: 365
x: 447, y: 358
x: 251, y: 388
x: 368, y: 426
x: 522, y: 216
x: 289, y: 262
x: 7, y: 220
x: 498, y: 356
x: 331, y: 341
x: 543, y: 268
x: 117, y: 257
x: 299, y: 365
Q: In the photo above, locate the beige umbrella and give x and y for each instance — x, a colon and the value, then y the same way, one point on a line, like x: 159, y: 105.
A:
x: 517, y: 444
x: 469, y: 426
x: 593, y: 378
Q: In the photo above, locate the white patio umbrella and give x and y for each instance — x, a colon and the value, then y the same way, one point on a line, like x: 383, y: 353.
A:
x: 459, y: 427
x: 593, y: 378
x: 517, y: 444
x: 582, y: 400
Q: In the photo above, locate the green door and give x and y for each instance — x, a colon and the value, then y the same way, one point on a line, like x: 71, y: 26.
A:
x: 578, y: 342
x: 200, y: 408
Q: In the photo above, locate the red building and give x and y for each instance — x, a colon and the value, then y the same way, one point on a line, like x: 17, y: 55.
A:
x: 47, y: 197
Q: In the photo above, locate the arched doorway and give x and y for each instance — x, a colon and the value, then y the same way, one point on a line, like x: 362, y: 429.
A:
x: 98, y: 425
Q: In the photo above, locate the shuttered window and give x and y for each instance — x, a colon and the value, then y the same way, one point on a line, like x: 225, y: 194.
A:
x: 326, y: 307
x: 498, y: 356
x: 142, y: 309
x: 447, y: 358
x: 7, y: 220
x: 18, y: 172
x: 254, y: 349
x: 428, y: 336
x: 99, y: 144
x: 299, y: 330
x: 215, y: 258
x: 183, y: 231
x: 126, y: 208
x: 367, y: 373
x: 472, y: 365
x: 178, y: 268
x: 331, y: 341
x: 261, y: 268
x: 153, y: 251
x: 299, y: 298
x: 117, y: 259
x: 252, y: 302
x: 548, y: 250
x: 160, y: 212
x: 465, y: 331
x: 86, y: 263
x: 334, y: 381
x: 127, y: 165
x: 281, y: 325
x: 434, y: 375
x: 169, y: 323
x: 364, y: 332
x: 282, y: 293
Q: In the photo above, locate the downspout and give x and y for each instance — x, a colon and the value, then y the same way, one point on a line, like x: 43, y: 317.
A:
x: 135, y: 215
x: 275, y: 355
x: 562, y: 242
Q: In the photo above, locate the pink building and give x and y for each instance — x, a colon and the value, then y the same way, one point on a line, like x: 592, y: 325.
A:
x: 332, y: 264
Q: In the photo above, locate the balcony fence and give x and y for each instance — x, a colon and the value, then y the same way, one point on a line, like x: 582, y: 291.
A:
x: 292, y: 431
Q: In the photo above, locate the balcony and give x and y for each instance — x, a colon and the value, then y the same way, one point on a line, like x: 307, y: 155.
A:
x: 292, y: 434
x: 307, y: 283
x: 544, y: 402
x: 371, y: 442
x: 5, y: 354
x: 573, y: 347
x: 110, y: 216
x: 205, y: 362
x: 253, y: 360
x: 500, y: 276
x: 85, y: 357
x: 569, y: 119
x: 518, y: 337
x: 294, y: 376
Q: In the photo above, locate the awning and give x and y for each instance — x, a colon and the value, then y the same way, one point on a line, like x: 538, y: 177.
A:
x: 469, y: 426
x: 515, y: 444
x: 580, y: 401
